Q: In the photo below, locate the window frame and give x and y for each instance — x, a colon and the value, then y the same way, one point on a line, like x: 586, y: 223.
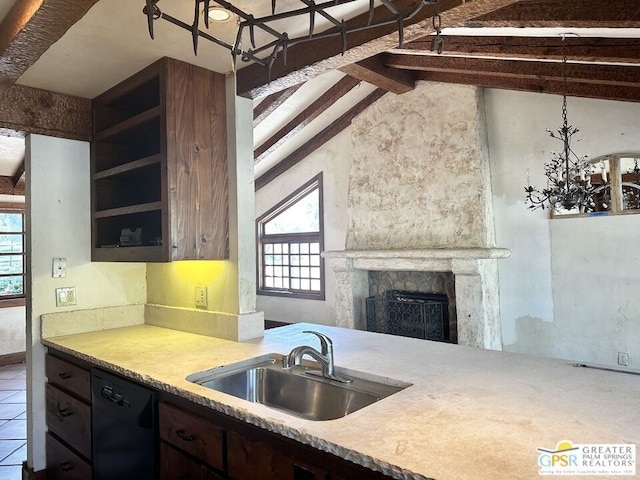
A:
x: 16, y: 300
x: 301, y: 237
x: 615, y: 188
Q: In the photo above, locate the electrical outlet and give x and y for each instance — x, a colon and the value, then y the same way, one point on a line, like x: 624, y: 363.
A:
x: 201, y: 296
x: 65, y: 296
x: 623, y: 359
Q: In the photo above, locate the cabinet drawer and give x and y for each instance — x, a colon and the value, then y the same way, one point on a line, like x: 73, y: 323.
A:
x: 193, y: 434
x: 68, y: 377
x: 63, y: 464
x: 69, y: 419
x: 176, y: 465
x: 248, y: 460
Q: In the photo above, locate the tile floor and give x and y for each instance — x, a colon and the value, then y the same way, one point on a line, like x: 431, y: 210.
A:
x: 13, y: 421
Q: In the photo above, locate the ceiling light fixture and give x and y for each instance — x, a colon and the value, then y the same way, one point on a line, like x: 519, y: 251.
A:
x: 219, y: 14
x: 278, y: 41
x: 568, y: 176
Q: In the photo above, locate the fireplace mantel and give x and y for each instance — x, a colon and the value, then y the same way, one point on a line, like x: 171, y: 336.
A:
x: 476, y: 283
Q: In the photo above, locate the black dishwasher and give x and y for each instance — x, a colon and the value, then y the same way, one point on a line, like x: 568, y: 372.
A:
x: 124, y: 428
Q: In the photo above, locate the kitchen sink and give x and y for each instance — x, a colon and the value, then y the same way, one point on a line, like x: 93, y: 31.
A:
x: 300, y: 390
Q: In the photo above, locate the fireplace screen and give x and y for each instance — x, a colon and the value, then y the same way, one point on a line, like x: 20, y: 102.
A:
x: 409, y: 314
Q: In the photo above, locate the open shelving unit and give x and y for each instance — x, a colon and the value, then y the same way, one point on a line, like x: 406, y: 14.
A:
x: 158, y: 163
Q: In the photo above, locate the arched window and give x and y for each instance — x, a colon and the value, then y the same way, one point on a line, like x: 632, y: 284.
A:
x: 290, y: 240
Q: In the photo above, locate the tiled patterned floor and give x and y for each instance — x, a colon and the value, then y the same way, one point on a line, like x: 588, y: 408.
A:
x: 13, y: 421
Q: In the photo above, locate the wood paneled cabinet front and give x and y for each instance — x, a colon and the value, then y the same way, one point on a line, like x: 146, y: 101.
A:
x: 159, y: 167
x: 198, y: 443
x: 68, y: 414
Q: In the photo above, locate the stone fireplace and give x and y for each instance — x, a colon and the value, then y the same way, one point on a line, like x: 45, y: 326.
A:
x: 420, y: 199
x: 476, y: 284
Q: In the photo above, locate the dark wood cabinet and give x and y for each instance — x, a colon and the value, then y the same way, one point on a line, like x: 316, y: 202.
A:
x: 192, y: 436
x: 250, y: 459
x: 159, y: 167
x: 63, y: 463
x: 68, y: 415
x: 194, y: 442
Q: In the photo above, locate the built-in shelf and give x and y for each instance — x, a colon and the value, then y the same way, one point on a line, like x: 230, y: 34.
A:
x: 159, y: 166
x: 115, y: 212
x: 128, y: 124
x: 128, y: 167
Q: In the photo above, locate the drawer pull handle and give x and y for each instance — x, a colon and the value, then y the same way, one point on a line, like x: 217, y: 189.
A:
x: 64, y: 375
x: 64, y: 412
x: 187, y: 438
x: 65, y: 466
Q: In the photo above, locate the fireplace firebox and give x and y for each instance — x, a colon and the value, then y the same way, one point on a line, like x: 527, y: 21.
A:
x: 409, y: 314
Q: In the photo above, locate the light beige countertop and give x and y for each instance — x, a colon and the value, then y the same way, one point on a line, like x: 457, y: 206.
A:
x: 470, y: 413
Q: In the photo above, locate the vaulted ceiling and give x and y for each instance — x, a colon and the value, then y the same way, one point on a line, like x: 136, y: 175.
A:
x: 80, y: 48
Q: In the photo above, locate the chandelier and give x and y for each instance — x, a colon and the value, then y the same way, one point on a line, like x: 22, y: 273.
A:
x: 279, y: 41
x: 568, y: 175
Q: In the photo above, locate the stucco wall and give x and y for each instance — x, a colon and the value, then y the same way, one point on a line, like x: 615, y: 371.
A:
x: 568, y: 288
x: 333, y: 160
x: 419, y: 174
x: 59, y: 225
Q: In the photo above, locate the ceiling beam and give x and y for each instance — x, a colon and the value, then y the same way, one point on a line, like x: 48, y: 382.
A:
x: 31, y: 110
x: 583, y: 49
x: 310, y: 59
x: 373, y: 71
x: 318, y: 140
x: 328, y: 98
x: 599, y: 13
x: 267, y: 106
x: 583, y: 80
x: 7, y: 187
x: 19, y: 173
x: 30, y: 28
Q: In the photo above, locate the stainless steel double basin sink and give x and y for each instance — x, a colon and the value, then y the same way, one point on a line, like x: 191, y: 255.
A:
x: 299, y: 391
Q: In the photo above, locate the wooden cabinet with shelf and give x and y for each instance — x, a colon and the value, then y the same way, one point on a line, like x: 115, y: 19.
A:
x: 159, y: 167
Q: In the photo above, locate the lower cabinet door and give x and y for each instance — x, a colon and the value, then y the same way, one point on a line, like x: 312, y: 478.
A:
x: 63, y: 464
x: 249, y: 460
x: 175, y: 465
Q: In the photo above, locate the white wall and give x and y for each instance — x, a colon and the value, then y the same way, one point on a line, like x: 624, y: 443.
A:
x: 12, y: 319
x: 12, y: 330
x: 333, y: 160
x: 569, y: 288
x: 59, y: 225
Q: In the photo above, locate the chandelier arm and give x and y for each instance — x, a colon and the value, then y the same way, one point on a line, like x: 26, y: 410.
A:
x: 282, y: 41
x: 181, y: 24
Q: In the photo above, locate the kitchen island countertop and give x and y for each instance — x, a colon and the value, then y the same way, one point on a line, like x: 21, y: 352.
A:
x: 470, y: 413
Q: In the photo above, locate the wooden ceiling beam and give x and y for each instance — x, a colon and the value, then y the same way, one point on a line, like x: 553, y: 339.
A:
x: 528, y: 84
x: 19, y: 174
x: 373, y: 71
x: 585, y: 49
x: 310, y: 59
x: 328, y: 98
x: 267, y: 106
x: 611, y: 75
x: 318, y: 140
x: 30, y: 28
x: 597, y: 12
x: 31, y: 110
